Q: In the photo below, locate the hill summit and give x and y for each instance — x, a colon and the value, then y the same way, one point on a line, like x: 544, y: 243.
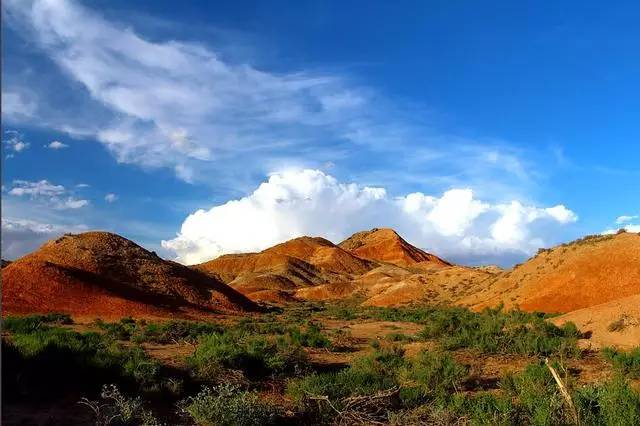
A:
x: 385, y: 245
x: 104, y: 274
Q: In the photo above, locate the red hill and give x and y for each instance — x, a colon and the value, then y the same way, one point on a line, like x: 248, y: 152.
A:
x: 385, y: 245
x: 99, y: 274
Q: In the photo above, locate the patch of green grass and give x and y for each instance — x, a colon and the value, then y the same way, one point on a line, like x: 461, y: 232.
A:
x: 627, y: 363
x: 31, y: 323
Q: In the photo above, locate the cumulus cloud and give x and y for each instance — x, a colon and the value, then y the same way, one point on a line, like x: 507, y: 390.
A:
x: 21, y: 236
x: 289, y: 204
x: 110, y: 198
x: 56, y: 145
x: 55, y: 196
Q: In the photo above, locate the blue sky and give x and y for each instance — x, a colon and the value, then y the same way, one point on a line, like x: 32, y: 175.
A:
x: 172, y: 110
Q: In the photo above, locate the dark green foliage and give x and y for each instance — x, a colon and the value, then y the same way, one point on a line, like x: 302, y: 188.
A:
x: 54, y: 358
x: 627, y: 363
x: 366, y: 375
x: 226, y: 405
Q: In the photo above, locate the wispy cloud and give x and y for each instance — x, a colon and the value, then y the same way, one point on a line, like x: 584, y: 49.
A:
x: 111, y: 198
x: 182, y: 106
x: 20, y: 236
x: 55, y: 196
x: 14, y: 141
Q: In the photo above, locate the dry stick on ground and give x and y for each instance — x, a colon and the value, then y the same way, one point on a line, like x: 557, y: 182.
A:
x: 365, y: 409
x: 564, y: 392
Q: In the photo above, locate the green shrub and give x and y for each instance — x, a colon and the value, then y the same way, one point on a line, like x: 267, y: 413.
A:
x: 429, y: 375
x: 495, y: 331
x: 537, y: 394
x: 627, y: 363
x: 398, y: 337
x: 226, y: 405
x: 256, y: 355
x: 55, y: 357
x: 31, y: 323
x: 312, y: 337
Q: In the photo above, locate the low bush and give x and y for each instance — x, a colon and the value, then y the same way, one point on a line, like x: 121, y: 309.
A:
x: 366, y: 375
x: 226, y: 405
x: 53, y: 358
x: 255, y: 355
x: 310, y: 337
x: 115, y: 408
x: 430, y: 375
x: 627, y: 363
x: 495, y: 331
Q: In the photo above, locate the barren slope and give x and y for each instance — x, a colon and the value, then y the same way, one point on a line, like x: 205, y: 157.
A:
x: 586, y: 272
x: 385, y: 245
x: 615, y: 323
x: 103, y: 274
x: 300, y: 262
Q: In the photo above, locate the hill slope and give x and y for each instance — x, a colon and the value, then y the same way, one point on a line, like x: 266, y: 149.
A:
x: 584, y: 273
x: 301, y: 262
x: 385, y: 245
x: 104, y: 274
x: 615, y: 323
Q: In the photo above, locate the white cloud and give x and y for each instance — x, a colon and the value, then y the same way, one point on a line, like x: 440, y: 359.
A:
x: 177, y: 101
x: 625, y: 223
x: 629, y: 228
x: 625, y: 218
x: 56, y: 145
x: 110, y: 198
x: 21, y: 236
x: 55, y: 196
x: 185, y: 107
x: 15, y: 142
x: 16, y: 106
x: 310, y: 202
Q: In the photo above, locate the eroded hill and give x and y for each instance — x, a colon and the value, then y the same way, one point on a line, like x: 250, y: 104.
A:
x: 99, y: 274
